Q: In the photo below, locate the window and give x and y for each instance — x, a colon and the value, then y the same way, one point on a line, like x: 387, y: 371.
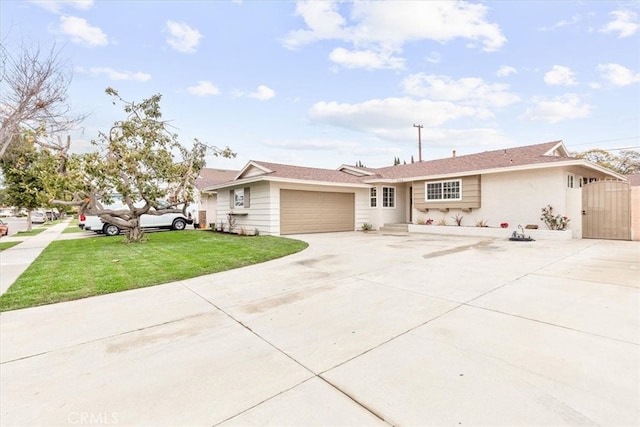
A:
x: 239, y: 198
x: 373, y: 197
x: 570, y: 180
x: 444, y: 190
x: 388, y: 197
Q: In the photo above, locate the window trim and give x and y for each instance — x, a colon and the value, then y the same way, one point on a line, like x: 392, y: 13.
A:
x: 441, y: 199
x: 233, y: 198
x: 373, y: 197
x: 571, y: 180
x: 393, y: 200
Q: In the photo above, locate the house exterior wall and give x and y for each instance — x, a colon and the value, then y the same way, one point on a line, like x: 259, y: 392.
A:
x: 396, y: 214
x: 514, y: 197
x: 264, y: 211
x: 471, y: 196
x: 208, y: 202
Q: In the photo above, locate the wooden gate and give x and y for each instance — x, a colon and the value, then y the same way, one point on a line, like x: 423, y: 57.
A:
x: 606, y: 210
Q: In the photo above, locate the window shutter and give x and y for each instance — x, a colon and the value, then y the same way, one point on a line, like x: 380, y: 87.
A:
x: 232, y: 199
x: 247, y: 197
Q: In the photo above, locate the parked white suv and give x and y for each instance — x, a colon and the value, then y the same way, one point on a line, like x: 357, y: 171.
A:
x: 174, y: 221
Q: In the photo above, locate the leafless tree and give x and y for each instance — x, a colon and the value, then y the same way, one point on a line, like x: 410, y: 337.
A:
x: 33, y: 95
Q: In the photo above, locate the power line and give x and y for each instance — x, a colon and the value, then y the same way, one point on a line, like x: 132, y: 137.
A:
x: 606, y: 140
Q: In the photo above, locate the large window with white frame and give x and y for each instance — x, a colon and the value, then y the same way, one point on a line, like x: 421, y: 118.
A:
x: 443, y: 190
x: 373, y: 197
x: 388, y: 197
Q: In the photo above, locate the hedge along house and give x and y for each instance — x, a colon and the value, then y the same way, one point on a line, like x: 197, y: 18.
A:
x: 510, y: 185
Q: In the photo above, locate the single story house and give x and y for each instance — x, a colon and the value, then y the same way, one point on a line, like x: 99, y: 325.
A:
x: 207, y: 200
x: 502, y: 186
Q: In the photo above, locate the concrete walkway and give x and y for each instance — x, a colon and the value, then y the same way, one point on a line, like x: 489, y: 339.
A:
x: 358, y: 329
x: 14, y: 261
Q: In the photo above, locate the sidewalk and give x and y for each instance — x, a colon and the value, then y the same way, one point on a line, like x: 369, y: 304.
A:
x: 14, y: 261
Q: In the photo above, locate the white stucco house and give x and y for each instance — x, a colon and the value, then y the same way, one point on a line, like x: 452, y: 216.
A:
x: 502, y: 186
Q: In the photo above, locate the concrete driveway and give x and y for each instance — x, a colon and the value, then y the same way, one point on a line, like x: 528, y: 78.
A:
x: 359, y: 329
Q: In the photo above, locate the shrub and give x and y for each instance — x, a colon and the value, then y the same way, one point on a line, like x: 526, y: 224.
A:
x: 482, y: 223
x: 367, y: 226
x: 458, y: 219
x: 554, y: 222
x: 443, y: 221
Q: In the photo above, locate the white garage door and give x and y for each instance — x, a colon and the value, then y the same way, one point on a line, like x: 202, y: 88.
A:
x: 316, y: 212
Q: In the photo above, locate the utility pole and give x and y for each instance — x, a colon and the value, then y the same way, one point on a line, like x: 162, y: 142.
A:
x: 419, y: 141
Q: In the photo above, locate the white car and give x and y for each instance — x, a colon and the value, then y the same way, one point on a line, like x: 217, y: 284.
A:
x: 173, y: 221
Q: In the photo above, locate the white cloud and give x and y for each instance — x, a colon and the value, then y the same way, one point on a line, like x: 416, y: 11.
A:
x: 380, y: 115
x: 365, y: 59
x: 563, y: 23
x: 114, y: 74
x: 263, y: 93
x: 56, y: 6
x: 618, y: 75
x: 434, y: 58
x: 560, y: 76
x: 382, y: 28
x: 625, y: 23
x: 82, y: 32
x: 505, y: 71
x: 565, y: 107
x: 203, y: 88
x: 468, y: 90
x: 182, y: 37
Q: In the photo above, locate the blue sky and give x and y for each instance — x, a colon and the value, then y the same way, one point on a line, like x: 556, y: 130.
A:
x: 326, y: 83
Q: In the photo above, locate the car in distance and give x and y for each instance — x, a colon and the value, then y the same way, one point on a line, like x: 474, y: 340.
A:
x: 4, y: 228
x: 38, y: 218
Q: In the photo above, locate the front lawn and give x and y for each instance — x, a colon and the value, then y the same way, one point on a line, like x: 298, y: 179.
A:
x: 7, y: 245
x: 73, y: 269
x: 72, y: 227
x: 34, y: 230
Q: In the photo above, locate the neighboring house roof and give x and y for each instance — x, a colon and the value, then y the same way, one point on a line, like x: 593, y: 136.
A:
x: 532, y: 156
x: 634, y: 179
x: 209, y: 177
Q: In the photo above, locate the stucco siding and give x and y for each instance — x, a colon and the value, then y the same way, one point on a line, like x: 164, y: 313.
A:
x: 515, y: 198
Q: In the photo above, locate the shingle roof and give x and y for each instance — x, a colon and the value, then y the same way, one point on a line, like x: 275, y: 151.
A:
x: 545, y: 153
x: 209, y: 177
x: 308, y: 174
x: 519, y: 156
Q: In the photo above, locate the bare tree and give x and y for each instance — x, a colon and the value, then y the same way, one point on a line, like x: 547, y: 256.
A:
x: 33, y: 96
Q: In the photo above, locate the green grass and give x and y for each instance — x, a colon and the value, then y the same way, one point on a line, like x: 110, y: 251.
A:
x: 72, y: 227
x: 35, y: 230
x: 7, y: 245
x: 73, y: 269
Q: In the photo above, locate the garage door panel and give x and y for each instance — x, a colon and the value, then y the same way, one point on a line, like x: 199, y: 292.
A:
x: 316, y: 211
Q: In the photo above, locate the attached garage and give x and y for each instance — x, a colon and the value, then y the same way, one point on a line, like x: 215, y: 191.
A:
x: 316, y: 212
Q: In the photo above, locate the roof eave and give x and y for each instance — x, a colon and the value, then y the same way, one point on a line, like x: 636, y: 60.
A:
x: 545, y: 165
x: 259, y: 178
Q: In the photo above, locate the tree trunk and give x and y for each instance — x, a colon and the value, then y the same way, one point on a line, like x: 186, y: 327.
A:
x: 136, y: 235
x: 29, y: 224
